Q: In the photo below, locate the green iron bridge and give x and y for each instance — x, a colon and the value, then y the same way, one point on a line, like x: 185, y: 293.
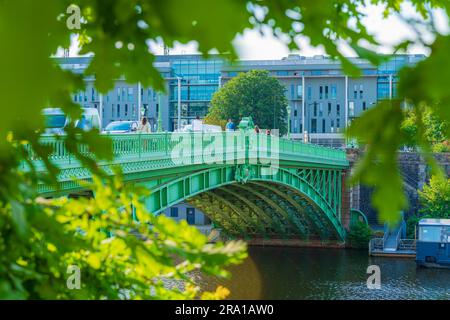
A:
x: 250, y: 185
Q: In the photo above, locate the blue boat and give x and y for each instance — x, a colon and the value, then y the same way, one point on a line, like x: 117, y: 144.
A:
x: 433, y: 244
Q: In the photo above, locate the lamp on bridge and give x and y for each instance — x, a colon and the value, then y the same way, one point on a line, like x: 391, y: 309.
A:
x: 246, y: 123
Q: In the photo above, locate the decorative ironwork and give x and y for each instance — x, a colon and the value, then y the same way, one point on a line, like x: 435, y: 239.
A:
x: 299, y: 196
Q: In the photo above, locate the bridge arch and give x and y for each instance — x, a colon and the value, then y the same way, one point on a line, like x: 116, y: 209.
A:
x: 248, y: 200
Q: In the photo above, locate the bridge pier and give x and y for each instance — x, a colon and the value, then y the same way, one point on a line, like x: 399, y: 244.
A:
x: 345, y: 200
x: 415, y: 173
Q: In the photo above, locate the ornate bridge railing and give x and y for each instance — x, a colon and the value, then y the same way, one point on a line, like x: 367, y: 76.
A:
x: 140, y: 155
x: 144, y: 146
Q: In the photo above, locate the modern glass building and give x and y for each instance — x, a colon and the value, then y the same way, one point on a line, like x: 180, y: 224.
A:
x: 323, y: 100
x: 199, y: 79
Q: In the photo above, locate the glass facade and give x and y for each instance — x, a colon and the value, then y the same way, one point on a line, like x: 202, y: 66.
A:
x: 391, y: 69
x: 199, y: 81
x: 383, y: 88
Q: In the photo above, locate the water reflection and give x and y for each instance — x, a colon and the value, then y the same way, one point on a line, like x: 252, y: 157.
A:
x: 301, y: 273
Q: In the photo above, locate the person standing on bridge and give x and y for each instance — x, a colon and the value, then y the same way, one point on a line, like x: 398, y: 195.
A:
x: 229, y: 126
x: 143, y: 126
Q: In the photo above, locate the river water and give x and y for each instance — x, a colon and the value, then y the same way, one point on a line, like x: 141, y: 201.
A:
x: 310, y: 273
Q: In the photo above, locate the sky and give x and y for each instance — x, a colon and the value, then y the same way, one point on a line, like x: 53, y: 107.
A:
x: 251, y: 45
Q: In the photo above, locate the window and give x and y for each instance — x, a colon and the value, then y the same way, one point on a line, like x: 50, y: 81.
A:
x: 315, y: 109
x: 130, y: 94
x: 75, y: 98
x: 326, y: 92
x: 118, y: 111
x: 434, y: 234
x: 351, y: 108
x: 309, y: 92
x: 355, y: 91
x: 321, y: 109
x: 323, y: 125
x: 333, y: 91
x: 112, y: 110
x: 126, y: 110
x: 92, y: 94
x: 133, y: 110
x: 300, y: 91
x: 292, y: 91
x: 282, y: 73
x: 383, y: 88
x: 124, y: 92
x: 118, y: 94
x: 338, y: 123
x: 338, y: 109
x: 329, y: 108
x: 361, y: 89
x: 332, y: 126
x: 174, y: 212
x: 364, y: 107
x: 295, y: 112
x: 320, y: 92
x: 145, y: 109
x: 313, y: 125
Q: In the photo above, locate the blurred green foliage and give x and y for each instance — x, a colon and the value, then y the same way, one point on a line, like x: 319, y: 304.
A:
x: 254, y: 93
x: 117, y: 32
x: 434, y: 130
x: 119, y: 257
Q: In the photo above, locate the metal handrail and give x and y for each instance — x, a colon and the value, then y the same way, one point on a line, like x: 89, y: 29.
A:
x: 376, y: 243
x: 137, y: 145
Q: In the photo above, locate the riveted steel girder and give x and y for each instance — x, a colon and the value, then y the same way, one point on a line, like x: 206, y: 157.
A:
x: 290, y: 223
x: 267, y: 223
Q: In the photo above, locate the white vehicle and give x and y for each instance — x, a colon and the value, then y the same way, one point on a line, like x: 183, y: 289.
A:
x: 56, y: 120
x: 205, y: 128
x: 116, y: 127
x: 211, y: 128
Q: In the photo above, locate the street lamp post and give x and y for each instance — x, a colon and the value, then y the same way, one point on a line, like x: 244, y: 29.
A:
x: 289, y: 122
x: 179, y: 103
x: 159, y: 129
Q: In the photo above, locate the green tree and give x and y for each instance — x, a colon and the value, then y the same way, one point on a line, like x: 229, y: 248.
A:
x: 359, y: 235
x: 433, y: 127
x: 435, y: 198
x: 434, y: 202
x: 254, y: 93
